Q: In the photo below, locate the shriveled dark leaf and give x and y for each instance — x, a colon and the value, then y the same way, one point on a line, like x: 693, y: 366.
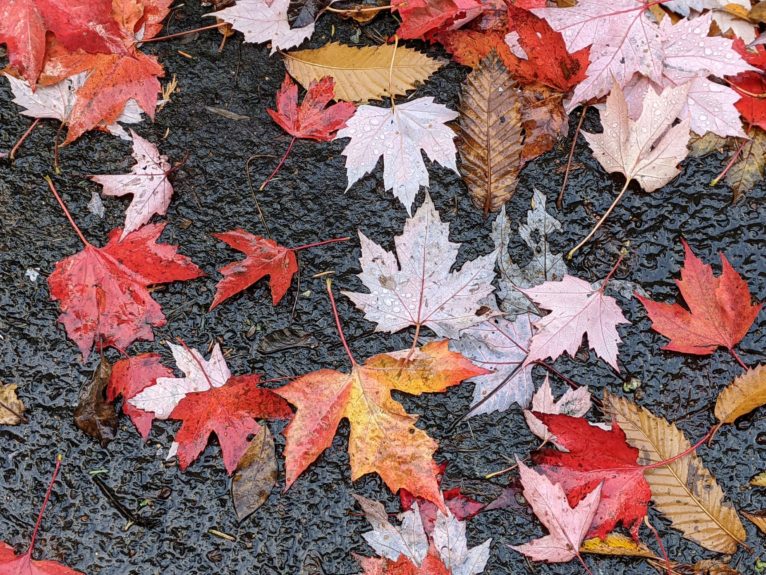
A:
x: 286, y: 338
x: 312, y: 564
x: 94, y: 414
x: 256, y: 474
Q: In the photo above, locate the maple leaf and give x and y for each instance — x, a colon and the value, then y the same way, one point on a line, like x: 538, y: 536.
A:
x: 313, y: 119
x: 129, y: 378
x: 263, y: 21
x: 147, y: 182
x: 719, y: 314
x: 577, y: 309
x: 383, y: 437
x: 751, y: 85
x: 415, y: 286
x: 102, y: 291
x: 230, y: 412
x: 567, y: 526
x: 500, y: 346
x: 164, y: 396
x: 574, y: 402
x: 399, y: 134
x: 423, y: 18
x: 594, y: 457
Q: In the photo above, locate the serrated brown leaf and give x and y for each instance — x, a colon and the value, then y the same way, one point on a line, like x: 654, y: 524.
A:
x: 616, y: 545
x: 683, y: 491
x: 742, y: 396
x: 490, y: 142
x: 363, y: 73
x: 750, y: 167
x: 11, y: 408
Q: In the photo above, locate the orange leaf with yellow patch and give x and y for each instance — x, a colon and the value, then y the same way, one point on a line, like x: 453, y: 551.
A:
x: 383, y: 437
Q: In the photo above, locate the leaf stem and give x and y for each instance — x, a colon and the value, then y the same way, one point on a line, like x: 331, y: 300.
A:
x: 391, y: 74
x: 601, y: 221
x: 45, y: 503
x: 560, y: 199
x: 611, y: 273
x: 584, y: 564
x: 197, y: 361
x: 681, y: 455
x: 16, y: 147
x: 279, y: 165
x: 66, y: 211
x: 668, y: 569
x: 732, y: 161
x: 328, y: 282
x: 735, y: 355
x: 322, y: 243
x: 184, y: 33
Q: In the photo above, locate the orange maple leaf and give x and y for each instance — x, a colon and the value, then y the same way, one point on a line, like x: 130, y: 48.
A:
x: 383, y: 437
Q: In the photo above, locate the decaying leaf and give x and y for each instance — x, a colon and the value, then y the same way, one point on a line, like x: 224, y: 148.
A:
x: 94, y: 414
x: 11, y: 408
x: 616, y: 545
x: 286, y: 338
x: 759, y: 480
x: 742, y: 396
x: 758, y: 518
x: 255, y: 475
x: 574, y: 402
x: 684, y: 491
x: 364, y: 73
x: 490, y: 141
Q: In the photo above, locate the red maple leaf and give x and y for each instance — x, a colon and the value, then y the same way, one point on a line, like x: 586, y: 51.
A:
x: 421, y: 18
x: 719, y: 314
x: 230, y: 412
x: 596, y: 456
x: 431, y: 565
x: 131, y: 376
x: 751, y: 86
x: 102, y: 291
x: 12, y: 564
x: 312, y: 119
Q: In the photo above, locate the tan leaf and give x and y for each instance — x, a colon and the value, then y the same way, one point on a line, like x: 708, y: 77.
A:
x: 616, y: 545
x: 758, y: 13
x: 362, y: 74
x: 684, y: 491
x: 490, y: 128
x: 759, y: 480
x: 706, y: 567
x: 758, y: 519
x: 11, y: 408
x: 709, y: 143
x: 544, y: 120
x: 749, y: 168
x: 742, y: 396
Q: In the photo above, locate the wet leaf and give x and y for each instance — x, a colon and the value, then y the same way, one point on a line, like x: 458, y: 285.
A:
x: 255, y: 476
x: 11, y: 408
x: 684, y: 491
x: 94, y: 414
x: 743, y: 395
x: 759, y: 480
x: 616, y: 545
x: 750, y: 167
x: 362, y: 74
x: 758, y: 518
x: 286, y: 338
x: 574, y: 402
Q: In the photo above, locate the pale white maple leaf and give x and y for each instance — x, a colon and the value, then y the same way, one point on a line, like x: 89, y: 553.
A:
x: 451, y: 544
x: 574, y: 402
x: 201, y: 375
x: 147, y: 182
x: 725, y: 20
x: 566, y: 526
x: 415, y: 286
x: 648, y: 149
x: 499, y: 345
x: 623, y: 36
x: 391, y: 542
x: 56, y: 102
x: 264, y: 21
x: 544, y: 265
x: 399, y: 135
x: 576, y: 309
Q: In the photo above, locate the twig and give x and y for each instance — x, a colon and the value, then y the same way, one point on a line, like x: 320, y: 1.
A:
x: 601, y: 221
x: 16, y: 147
x: 560, y: 199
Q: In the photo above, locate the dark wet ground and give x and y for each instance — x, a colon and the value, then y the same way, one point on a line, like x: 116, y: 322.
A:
x: 304, y: 204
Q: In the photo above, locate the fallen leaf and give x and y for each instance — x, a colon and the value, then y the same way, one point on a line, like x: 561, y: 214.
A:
x: 130, y: 377
x: 422, y: 18
x: 313, y: 119
x: 11, y: 408
x: 255, y: 476
x: 758, y: 518
x: 750, y: 167
x: 574, y: 402
x: 431, y: 565
x: 147, y: 182
x: 684, y: 491
x: 362, y: 73
x: 719, y: 314
x: 286, y: 338
x: 383, y: 437
x: 567, y: 526
x: 263, y: 21
x: 759, y: 480
x: 594, y: 457
x: 409, y: 540
x: 743, y: 395
x: 616, y: 545
x: 490, y: 141
x: 577, y: 309
x: 94, y: 413
x: 102, y: 291
x: 399, y: 135
x: 416, y: 286
x: 264, y: 257
x: 751, y: 85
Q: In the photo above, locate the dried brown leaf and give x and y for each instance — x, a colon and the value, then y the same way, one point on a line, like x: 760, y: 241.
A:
x: 544, y: 121
x: 94, y: 414
x: 11, y: 408
x: 759, y: 480
x: 758, y: 518
x: 684, y: 491
x: 255, y: 476
x: 490, y: 142
x: 750, y: 166
x: 616, y: 545
x: 363, y: 73
x: 742, y: 396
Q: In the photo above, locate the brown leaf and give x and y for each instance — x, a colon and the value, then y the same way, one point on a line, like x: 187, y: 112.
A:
x: 758, y: 518
x: 11, y: 408
x: 544, y: 121
x: 750, y: 166
x: 759, y: 480
x: 758, y: 13
x: 706, y: 567
x: 616, y: 545
x: 256, y: 474
x: 364, y: 73
x: 490, y: 129
x: 94, y: 414
x: 684, y: 491
x: 742, y: 396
